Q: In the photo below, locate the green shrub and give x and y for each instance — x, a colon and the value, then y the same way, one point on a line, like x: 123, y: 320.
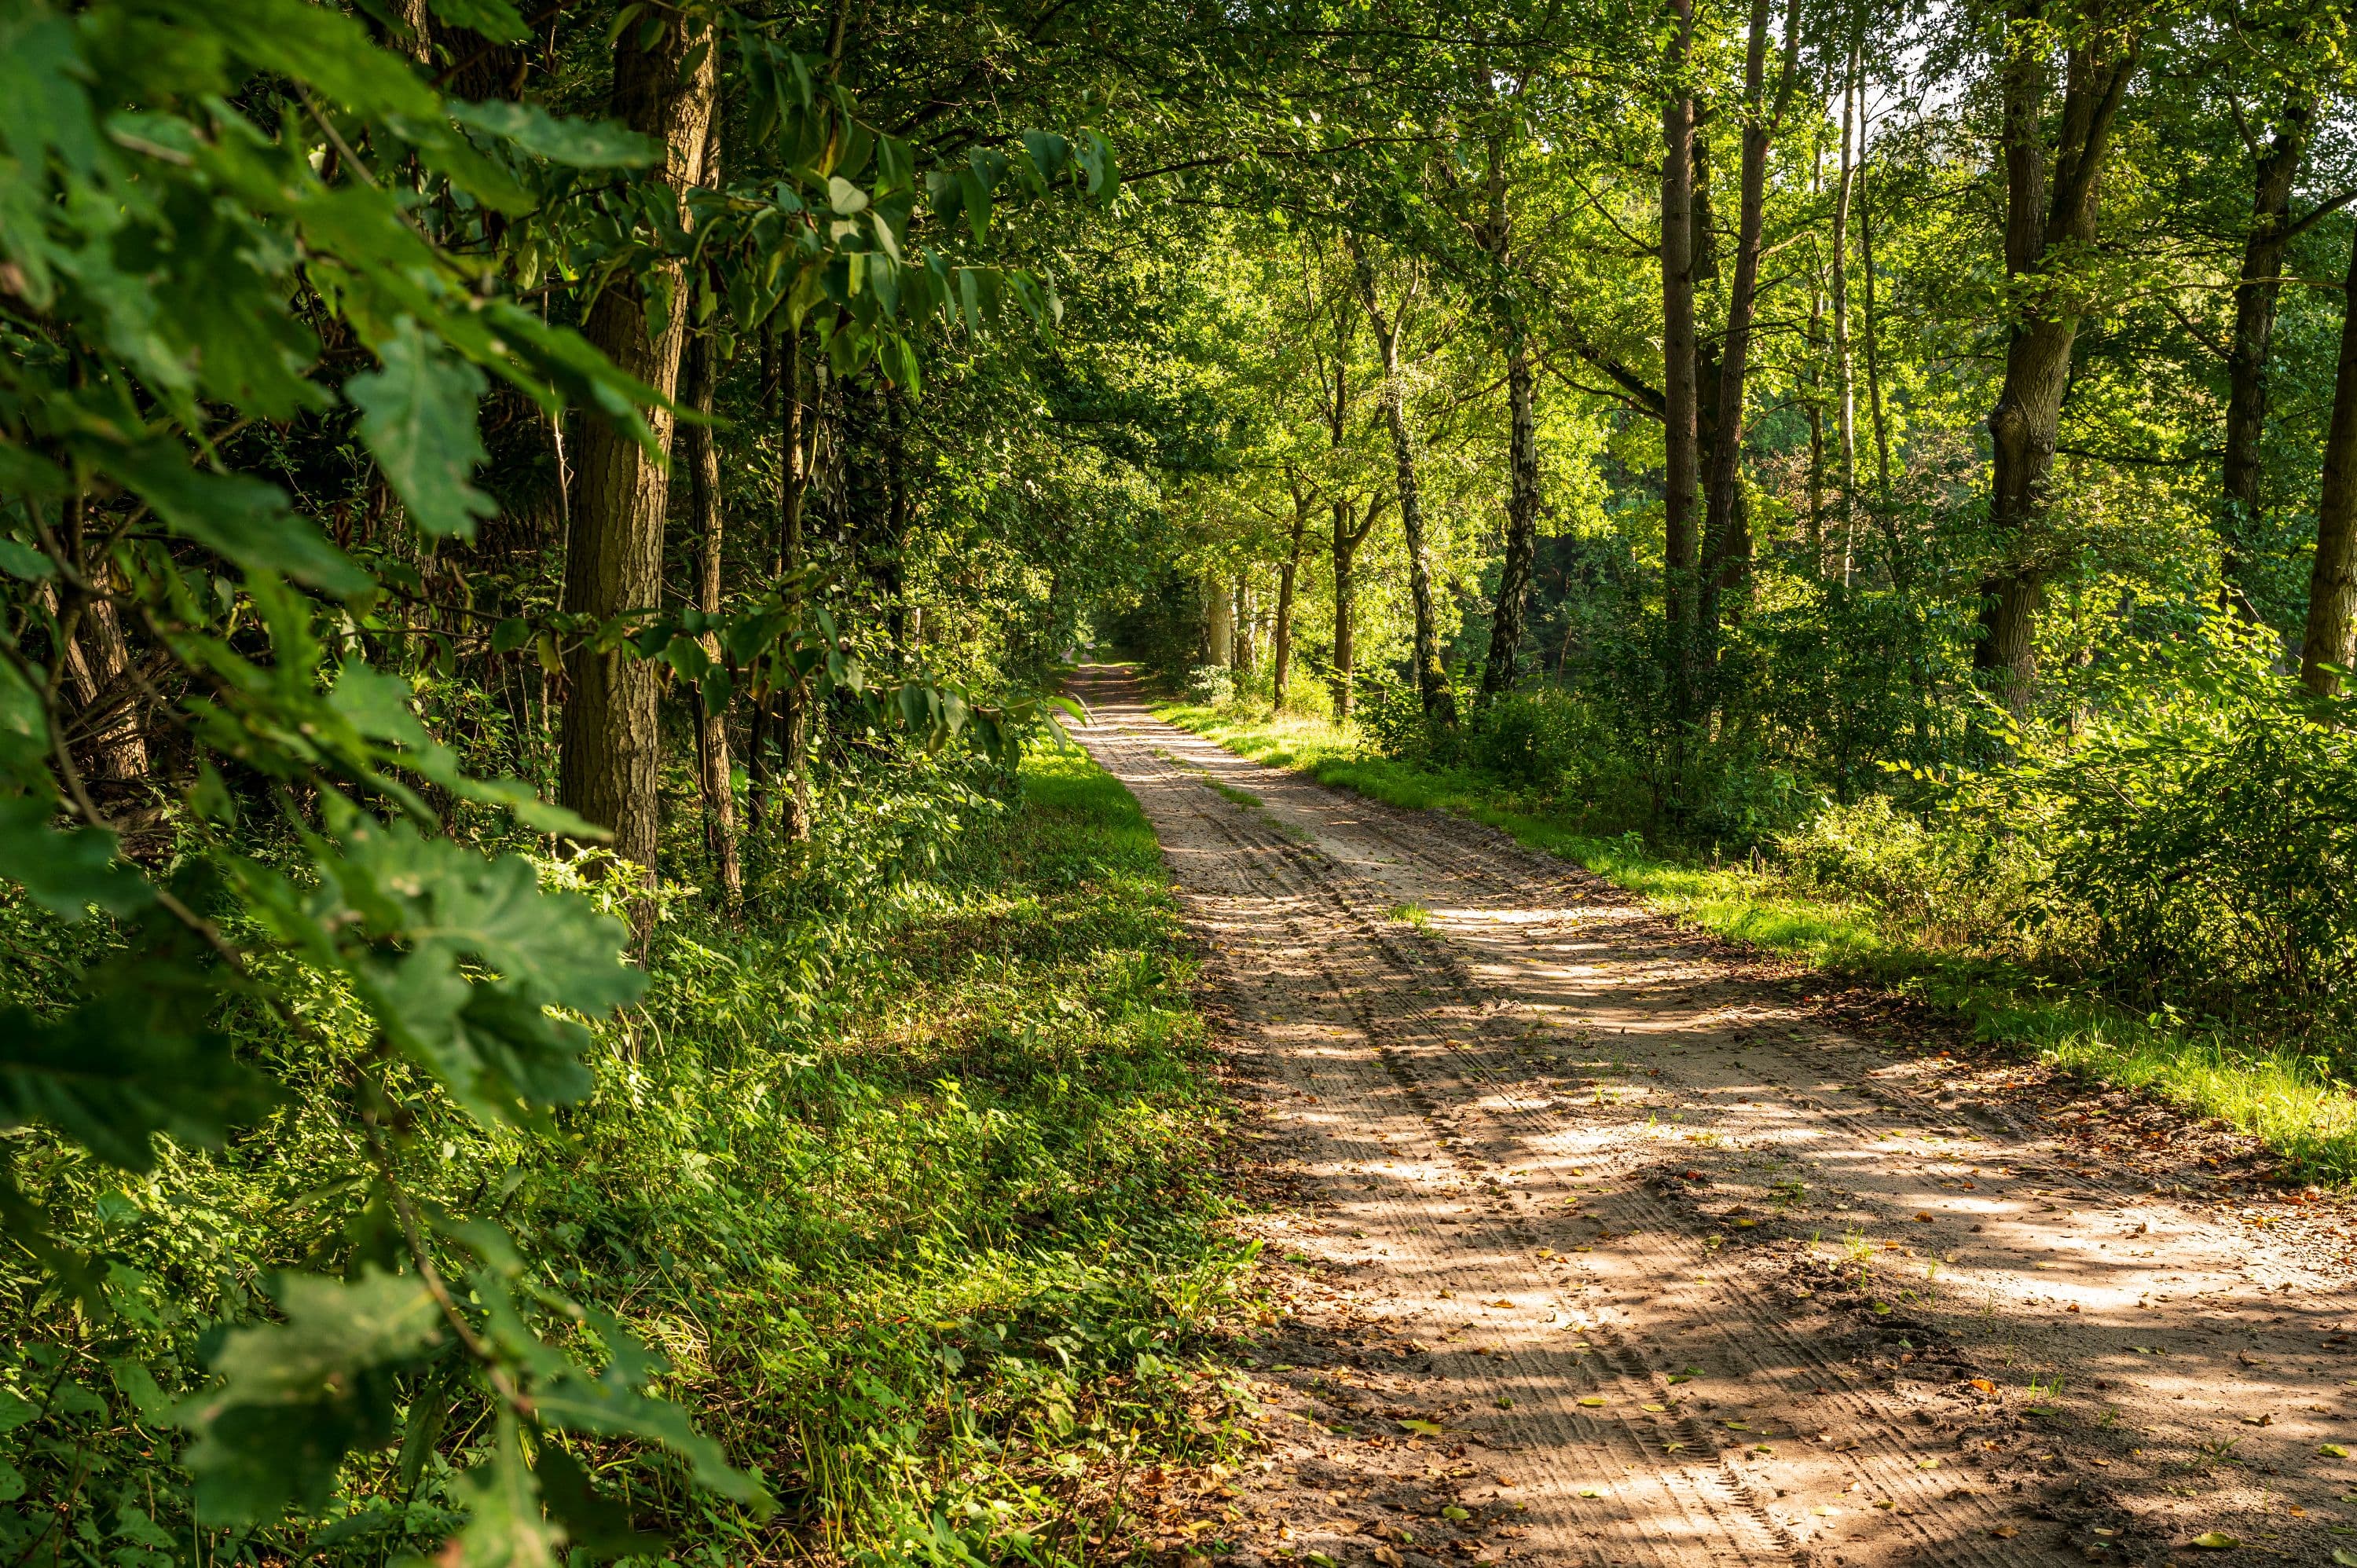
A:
x: 1950, y: 884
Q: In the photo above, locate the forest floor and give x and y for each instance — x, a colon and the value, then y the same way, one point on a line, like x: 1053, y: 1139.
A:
x: 1617, y: 1244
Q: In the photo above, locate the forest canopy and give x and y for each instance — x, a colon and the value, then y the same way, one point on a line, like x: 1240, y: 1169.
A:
x: 526, y: 532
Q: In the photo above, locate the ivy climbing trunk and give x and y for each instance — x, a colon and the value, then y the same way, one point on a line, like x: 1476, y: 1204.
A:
x: 609, y: 768
x: 2047, y: 232
x: 1432, y: 686
x: 2331, y: 639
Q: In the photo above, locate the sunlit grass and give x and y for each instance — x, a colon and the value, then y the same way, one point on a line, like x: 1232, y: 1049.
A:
x: 2291, y: 1102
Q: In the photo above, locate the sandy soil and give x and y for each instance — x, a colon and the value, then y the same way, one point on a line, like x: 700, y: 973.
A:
x: 1631, y: 1254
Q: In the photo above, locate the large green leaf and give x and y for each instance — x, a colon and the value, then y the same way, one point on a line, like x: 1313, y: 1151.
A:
x: 132, y: 1062
x: 505, y: 1526
x: 579, y: 144
x: 66, y: 871
x: 240, y: 518
x: 295, y: 1396
x: 417, y: 415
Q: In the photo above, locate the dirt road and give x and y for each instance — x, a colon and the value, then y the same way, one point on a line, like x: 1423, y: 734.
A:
x: 1637, y: 1262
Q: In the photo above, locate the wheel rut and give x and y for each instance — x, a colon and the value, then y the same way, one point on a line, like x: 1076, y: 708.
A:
x: 1525, y: 1103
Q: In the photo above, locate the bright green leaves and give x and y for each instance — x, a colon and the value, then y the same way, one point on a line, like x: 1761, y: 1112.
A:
x: 460, y: 958
x: 505, y: 1526
x: 417, y: 415
x: 296, y: 1397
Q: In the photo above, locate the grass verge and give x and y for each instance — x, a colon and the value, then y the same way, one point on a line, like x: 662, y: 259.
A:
x: 915, y: 1189
x: 2287, y: 1099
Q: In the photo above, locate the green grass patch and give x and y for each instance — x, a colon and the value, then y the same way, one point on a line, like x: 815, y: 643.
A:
x: 2289, y: 1100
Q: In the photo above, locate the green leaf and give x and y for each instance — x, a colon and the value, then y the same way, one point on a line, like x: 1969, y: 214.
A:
x: 505, y: 1527
x: 497, y: 20
x: 66, y: 871
x: 418, y: 416
x: 1421, y: 1428
x: 24, y: 561
x: 296, y: 1397
x: 238, y: 518
x: 1097, y: 162
x: 2215, y: 1540
x: 576, y: 144
x: 510, y: 633
x: 595, y: 1524
x: 132, y: 1062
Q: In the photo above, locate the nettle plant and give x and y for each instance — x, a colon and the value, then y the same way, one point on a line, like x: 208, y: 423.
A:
x: 224, y: 220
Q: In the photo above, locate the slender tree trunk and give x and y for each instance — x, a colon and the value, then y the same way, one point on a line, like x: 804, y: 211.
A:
x: 1280, y: 652
x: 1845, y: 372
x: 1431, y: 681
x: 1223, y: 634
x: 1502, y: 670
x: 1346, y: 541
x: 1244, y: 624
x: 1728, y: 532
x: 2026, y: 422
x: 2331, y: 634
x: 609, y: 768
x: 793, y: 699
x: 1680, y: 396
x: 2255, y: 325
x: 713, y: 773
x: 1522, y: 520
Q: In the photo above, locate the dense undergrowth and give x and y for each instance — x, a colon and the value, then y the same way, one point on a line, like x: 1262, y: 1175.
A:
x: 2126, y: 929
x: 912, y: 1186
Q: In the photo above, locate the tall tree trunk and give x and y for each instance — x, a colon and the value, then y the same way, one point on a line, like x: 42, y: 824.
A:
x: 609, y: 769
x: 1221, y: 635
x: 1431, y: 681
x: 794, y: 699
x: 1844, y: 371
x: 1500, y: 671
x: 1346, y: 541
x: 1244, y: 624
x: 2255, y: 326
x: 2027, y: 420
x: 1679, y: 395
x: 1727, y: 553
x: 2331, y: 634
x: 1280, y: 652
x: 701, y: 376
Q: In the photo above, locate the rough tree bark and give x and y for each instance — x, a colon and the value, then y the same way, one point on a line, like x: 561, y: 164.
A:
x: 1431, y: 681
x: 2046, y: 230
x: 2254, y: 323
x: 2331, y: 634
x: 609, y: 768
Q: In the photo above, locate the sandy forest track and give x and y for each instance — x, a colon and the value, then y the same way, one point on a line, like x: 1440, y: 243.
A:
x: 1678, y: 1274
